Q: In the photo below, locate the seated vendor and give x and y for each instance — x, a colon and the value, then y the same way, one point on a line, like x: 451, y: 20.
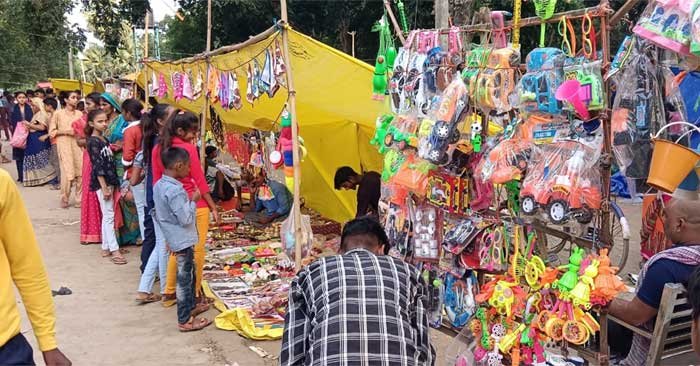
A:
x: 673, y: 265
x: 272, y: 199
x: 221, y: 189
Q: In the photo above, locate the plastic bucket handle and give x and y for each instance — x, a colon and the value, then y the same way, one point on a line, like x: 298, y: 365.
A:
x: 692, y: 126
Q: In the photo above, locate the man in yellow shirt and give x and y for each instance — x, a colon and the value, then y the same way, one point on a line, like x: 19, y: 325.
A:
x: 21, y: 263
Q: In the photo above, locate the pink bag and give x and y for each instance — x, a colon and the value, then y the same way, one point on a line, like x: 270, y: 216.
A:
x: 19, y: 137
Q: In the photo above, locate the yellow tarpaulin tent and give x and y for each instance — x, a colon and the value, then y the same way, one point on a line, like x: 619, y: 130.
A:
x: 69, y: 85
x: 335, y: 111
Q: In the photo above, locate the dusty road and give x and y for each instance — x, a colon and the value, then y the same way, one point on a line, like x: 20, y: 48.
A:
x: 100, y: 324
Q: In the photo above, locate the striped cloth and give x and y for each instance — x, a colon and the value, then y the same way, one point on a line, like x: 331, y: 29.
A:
x: 689, y: 255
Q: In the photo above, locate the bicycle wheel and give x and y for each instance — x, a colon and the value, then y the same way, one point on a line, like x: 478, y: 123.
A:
x: 619, y: 252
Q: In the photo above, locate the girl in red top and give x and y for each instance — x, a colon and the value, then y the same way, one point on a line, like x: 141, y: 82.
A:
x: 181, y: 131
x: 133, y: 139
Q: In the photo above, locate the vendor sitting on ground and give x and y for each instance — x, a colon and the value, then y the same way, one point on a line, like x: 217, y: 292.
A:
x: 273, y: 201
x: 673, y: 265
x: 221, y: 189
x: 368, y: 187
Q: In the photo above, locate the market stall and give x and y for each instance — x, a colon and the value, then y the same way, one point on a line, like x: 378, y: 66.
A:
x: 69, y: 85
x: 498, y: 163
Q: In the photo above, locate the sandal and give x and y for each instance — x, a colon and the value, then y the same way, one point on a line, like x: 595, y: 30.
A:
x: 124, y: 251
x: 118, y: 259
x: 169, y: 300
x: 194, y: 324
x: 148, y: 299
x: 106, y: 253
x: 6, y: 160
x: 200, y: 308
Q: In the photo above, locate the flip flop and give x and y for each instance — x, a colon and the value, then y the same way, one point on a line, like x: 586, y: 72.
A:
x: 106, y: 253
x: 124, y: 251
x: 194, y: 324
x: 148, y: 299
x: 168, y: 300
x: 118, y: 260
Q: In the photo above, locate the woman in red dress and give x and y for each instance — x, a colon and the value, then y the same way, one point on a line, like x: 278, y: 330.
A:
x: 90, y: 213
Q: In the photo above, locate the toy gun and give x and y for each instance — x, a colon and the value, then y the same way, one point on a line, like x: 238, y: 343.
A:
x: 507, y: 342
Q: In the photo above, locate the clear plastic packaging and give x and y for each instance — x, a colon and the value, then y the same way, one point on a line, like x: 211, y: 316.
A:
x: 589, y: 75
x: 427, y: 232
x: 507, y: 161
x: 564, y: 181
x: 667, y: 23
x: 544, y: 74
x: 496, y: 83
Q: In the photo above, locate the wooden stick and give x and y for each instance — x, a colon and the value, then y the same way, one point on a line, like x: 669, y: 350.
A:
x: 145, y: 63
x: 205, y: 105
x: 226, y: 49
x: 624, y: 9
x: 397, y: 29
x: 296, y: 209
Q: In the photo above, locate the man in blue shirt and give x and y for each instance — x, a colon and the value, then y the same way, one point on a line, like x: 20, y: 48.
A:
x: 272, y: 199
x: 673, y: 265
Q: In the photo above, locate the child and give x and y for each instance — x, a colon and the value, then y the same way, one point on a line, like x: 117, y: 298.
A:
x: 104, y: 180
x: 180, y: 131
x: 175, y: 214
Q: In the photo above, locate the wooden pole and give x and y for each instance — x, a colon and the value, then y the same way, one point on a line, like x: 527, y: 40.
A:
x: 352, y: 36
x: 296, y: 210
x: 397, y: 29
x: 145, y: 64
x: 205, y: 105
x: 442, y: 14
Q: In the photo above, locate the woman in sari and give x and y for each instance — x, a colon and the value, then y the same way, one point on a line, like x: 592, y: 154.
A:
x: 37, y: 166
x: 90, y: 213
x: 126, y: 214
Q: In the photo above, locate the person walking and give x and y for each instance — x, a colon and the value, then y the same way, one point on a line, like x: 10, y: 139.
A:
x: 69, y: 153
x: 21, y: 113
x: 21, y: 265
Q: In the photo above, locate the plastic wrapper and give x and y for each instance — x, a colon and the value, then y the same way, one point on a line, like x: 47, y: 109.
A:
x: 543, y: 128
x: 589, y: 75
x: 450, y: 112
x: 507, y: 161
x: 695, y: 30
x: 459, y: 298
x: 475, y: 61
x: 427, y: 232
x: 496, y: 83
x: 667, y: 23
x: 288, y: 238
x: 564, y: 181
x: 544, y: 74
x: 397, y: 224
x: 637, y: 112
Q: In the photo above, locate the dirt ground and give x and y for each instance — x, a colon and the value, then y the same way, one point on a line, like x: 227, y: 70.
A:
x: 100, y: 324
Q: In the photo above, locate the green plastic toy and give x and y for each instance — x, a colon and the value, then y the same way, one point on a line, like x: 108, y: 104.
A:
x: 568, y: 281
x: 402, y: 16
x: 382, y: 127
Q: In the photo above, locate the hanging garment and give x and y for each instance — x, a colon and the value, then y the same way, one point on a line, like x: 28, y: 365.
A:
x: 154, y: 84
x: 197, y: 88
x: 280, y: 67
x: 162, y: 86
x: 268, y: 75
x: 187, y: 86
x: 250, y: 85
x: 176, y: 81
x: 223, y: 89
x: 257, y: 84
x: 213, y: 85
x: 235, y: 101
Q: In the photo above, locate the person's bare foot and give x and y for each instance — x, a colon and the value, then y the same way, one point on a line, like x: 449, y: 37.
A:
x: 106, y: 253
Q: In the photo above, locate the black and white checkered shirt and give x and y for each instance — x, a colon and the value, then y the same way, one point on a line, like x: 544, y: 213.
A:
x: 357, y: 309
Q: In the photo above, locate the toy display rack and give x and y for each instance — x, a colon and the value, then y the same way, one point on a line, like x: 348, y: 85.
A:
x: 602, y: 12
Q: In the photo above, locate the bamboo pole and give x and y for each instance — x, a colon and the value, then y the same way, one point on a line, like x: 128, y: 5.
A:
x: 397, y: 29
x: 205, y: 105
x: 296, y: 210
x: 145, y: 63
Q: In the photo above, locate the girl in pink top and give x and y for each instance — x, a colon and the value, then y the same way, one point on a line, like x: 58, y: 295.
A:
x: 181, y: 131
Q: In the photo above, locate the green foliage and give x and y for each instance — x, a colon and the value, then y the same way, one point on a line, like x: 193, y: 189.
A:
x: 99, y: 63
x: 105, y: 18
x: 36, y: 41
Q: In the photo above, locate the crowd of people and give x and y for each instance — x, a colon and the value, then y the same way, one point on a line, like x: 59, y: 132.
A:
x: 137, y: 178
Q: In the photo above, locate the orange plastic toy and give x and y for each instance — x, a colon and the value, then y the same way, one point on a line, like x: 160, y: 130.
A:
x: 607, y: 285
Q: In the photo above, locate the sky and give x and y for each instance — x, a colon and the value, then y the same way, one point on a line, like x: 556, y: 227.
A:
x: 161, y: 8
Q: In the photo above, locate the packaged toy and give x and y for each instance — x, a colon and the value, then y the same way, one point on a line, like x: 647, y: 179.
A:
x: 450, y: 112
x: 589, y: 76
x: 460, y: 304
x: 496, y: 84
x: 427, y: 232
x: 667, y: 23
x: 545, y: 72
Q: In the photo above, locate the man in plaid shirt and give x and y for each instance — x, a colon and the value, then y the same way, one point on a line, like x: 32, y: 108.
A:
x: 359, y: 308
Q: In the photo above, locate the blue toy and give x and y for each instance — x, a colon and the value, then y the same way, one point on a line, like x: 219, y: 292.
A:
x: 544, y: 75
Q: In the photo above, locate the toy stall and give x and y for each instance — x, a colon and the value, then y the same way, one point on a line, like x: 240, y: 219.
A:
x: 498, y: 165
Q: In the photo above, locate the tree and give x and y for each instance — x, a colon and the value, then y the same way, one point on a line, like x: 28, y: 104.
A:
x: 106, y: 16
x: 99, y: 63
x: 36, y: 41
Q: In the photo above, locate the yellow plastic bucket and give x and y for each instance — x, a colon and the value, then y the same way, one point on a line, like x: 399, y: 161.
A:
x: 670, y: 164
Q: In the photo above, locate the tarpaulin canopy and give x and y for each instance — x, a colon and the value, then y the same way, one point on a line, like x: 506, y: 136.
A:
x: 70, y: 85
x: 335, y: 111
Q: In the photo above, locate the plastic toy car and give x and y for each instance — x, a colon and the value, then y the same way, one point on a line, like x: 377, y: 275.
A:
x: 450, y: 112
x: 562, y: 188
x: 497, y: 82
x: 507, y: 161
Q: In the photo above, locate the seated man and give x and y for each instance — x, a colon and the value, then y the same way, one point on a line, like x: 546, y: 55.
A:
x: 272, y: 199
x: 221, y: 189
x: 368, y: 187
x: 673, y: 265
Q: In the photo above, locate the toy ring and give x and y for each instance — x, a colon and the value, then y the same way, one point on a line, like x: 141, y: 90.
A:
x: 555, y: 328
x: 575, y: 332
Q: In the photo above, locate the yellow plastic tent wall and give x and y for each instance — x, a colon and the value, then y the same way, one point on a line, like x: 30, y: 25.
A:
x: 335, y: 112
x: 69, y: 84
